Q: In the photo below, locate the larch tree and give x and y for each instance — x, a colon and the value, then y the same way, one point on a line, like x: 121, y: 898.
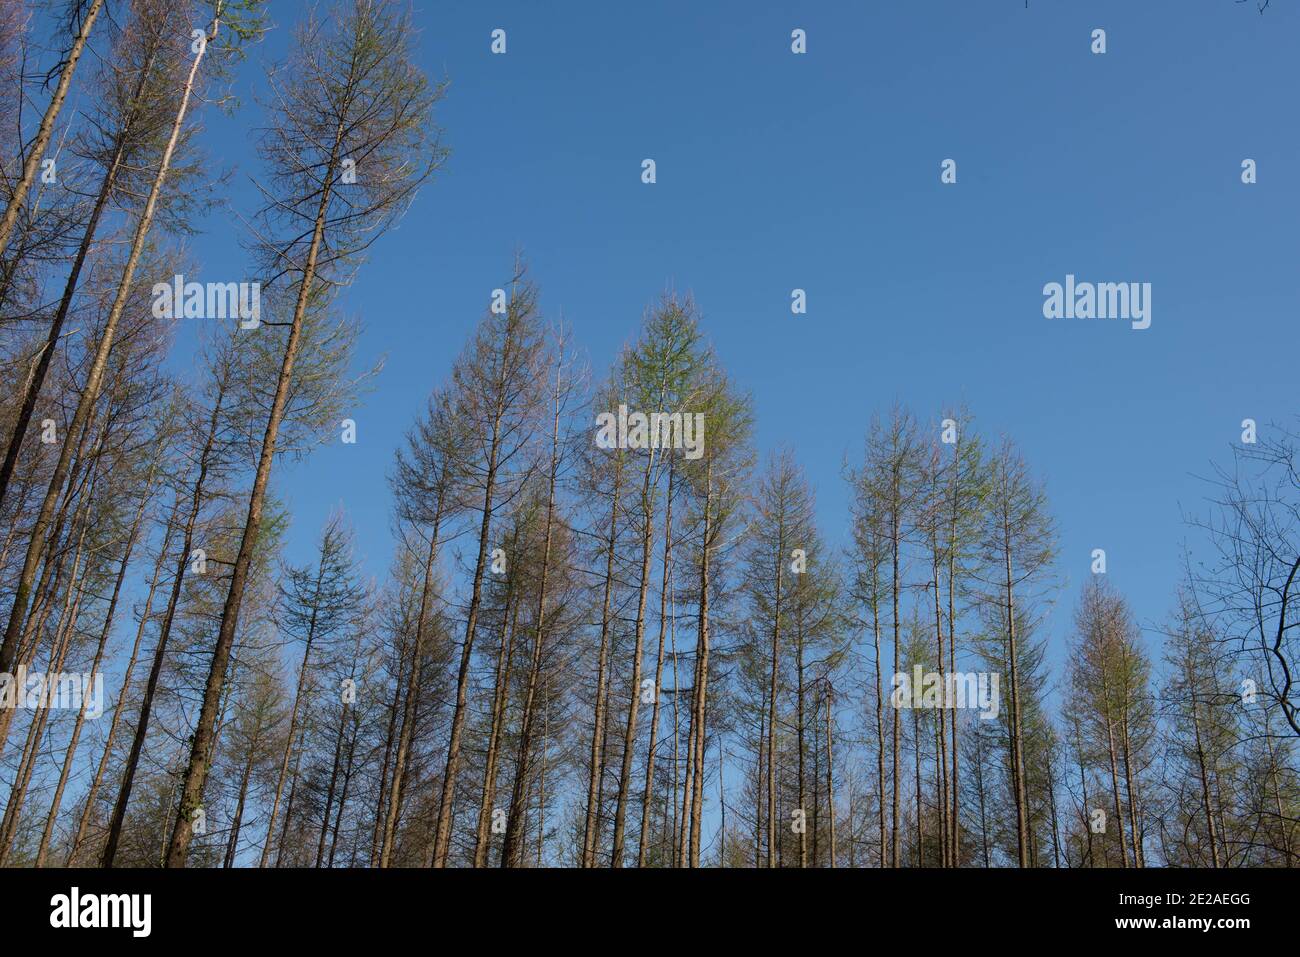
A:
x: 186, y: 85
x: 1018, y: 549
x: 351, y: 93
x: 497, y: 385
x: 318, y: 606
x: 81, y: 16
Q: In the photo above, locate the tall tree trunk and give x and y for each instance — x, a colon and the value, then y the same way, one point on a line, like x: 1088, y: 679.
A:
x: 512, y: 846
x: 541, y: 781
x: 500, y: 700
x: 164, y: 631
x: 32, y: 387
x: 94, y: 379
x: 760, y: 775
x: 1204, y: 777
x: 1017, y: 751
x: 154, y: 580
x: 378, y: 838
x: 979, y: 788
x: 699, y: 715
x: 1132, y: 797
x: 54, y: 562
x: 896, y: 531
x: 442, y: 831
x: 288, y: 807
x: 289, y: 738
x: 63, y: 639
x: 343, y: 795
x: 1051, y: 803
x: 830, y: 778
x: 1083, y: 784
x: 799, y: 725
x: 334, y: 778
x: 941, y: 721
x: 665, y: 587
x: 232, y: 846
x: 629, y: 734
x: 920, y: 817
x: 954, y: 827
x: 590, y: 831
x: 771, y: 700
x: 1114, y: 784
x: 109, y: 617
x: 880, y: 721
x: 196, y: 772
x: 43, y: 133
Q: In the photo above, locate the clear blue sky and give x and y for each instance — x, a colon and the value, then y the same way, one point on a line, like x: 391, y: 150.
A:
x: 821, y: 171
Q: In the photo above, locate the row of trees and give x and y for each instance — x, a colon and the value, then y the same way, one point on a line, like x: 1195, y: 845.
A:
x: 644, y: 655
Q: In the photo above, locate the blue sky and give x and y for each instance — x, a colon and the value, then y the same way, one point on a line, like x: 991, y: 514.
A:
x: 821, y: 172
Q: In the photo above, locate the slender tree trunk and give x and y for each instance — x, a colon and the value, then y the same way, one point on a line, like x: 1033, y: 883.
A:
x: 109, y: 617
x: 94, y: 379
x: 32, y: 387
x: 43, y: 133
x: 606, y: 736
x: 671, y: 830
x: 1083, y: 784
x: 412, y: 694
x: 920, y: 817
x: 941, y: 721
x: 1051, y: 803
x: 665, y: 587
x: 682, y: 839
x: 165, y: 628
x: 288, y: 807
x: 512, y: 845
x: 1134, y: 830
x: 378, y: 838
x: 979, y: 788
x: 334, y: 777
x: 799, y: 725
x: 54, y: 560
x: 1017, y: 756
x: 343, y: 795
x: 699, y: 716
x: 541, y: 783
x: 197, y: 771
x: 880, y: 721
x: 830, y: 779
x: 63, y: 639
x: 442, y: 832
x: 154, y: 580
x: 232, y: 846
x: 1132, y: 798
x: 1114, y: 782
x: 590, y: 835
x: 954, y: 827
x: 1205, y: 784
x: 896, y: 530
x: 500, y: 700
x: 771, y: 700
x: 289, y: 738
x: 1282, y: 819
x: 629, y: 734
x: 760, y: 775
